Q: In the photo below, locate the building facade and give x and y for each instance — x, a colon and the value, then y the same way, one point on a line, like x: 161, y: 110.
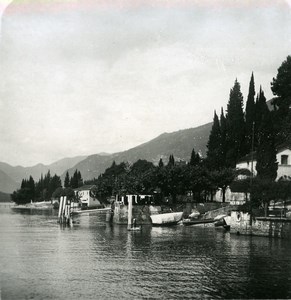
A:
x: 86, y: 196
x: 284, y: 163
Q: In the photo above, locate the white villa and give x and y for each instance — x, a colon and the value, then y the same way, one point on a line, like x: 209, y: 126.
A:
x: 86, y: 196
x: 283, y: 159
x: 249, y: 163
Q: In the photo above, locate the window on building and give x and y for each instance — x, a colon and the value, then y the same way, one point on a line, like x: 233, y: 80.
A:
x: 284, y: 159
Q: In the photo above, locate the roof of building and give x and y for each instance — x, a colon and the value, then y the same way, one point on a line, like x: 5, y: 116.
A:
x: 250, y: 156
x: 85, y: 187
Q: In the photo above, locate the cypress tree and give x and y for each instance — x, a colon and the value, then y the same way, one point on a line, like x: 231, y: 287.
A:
x: 266, y: 151
x: 195, y: 158
x: 67, y: 180
x: 235, y: 126
x: 250, y: 114
x: 31, y: 187
x: 171, y: 160
x: 54, y: 184
x: 214, y: 146
x: 80, y: 179
x: 74, y: 180
x: 23, y: 184
x: 161, y: 163
x: 223, y: 130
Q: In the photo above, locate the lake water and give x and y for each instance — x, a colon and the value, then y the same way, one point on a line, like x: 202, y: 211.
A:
x: 39, y: 259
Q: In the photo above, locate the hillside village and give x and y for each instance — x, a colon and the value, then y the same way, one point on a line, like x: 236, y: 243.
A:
x: 243, y: 157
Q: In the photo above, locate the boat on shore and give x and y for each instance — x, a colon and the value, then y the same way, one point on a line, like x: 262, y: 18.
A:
x: 219, y: 221
x: 34, y: 205
x: 166, y: 219
x: 91, y: 211
x: 189, y: 222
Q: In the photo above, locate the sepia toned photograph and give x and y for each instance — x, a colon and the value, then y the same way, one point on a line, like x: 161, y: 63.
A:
x: 145, y: 149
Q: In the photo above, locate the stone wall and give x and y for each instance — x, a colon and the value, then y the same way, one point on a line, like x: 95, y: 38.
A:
x: 139, y: 212
x: 241, y: 223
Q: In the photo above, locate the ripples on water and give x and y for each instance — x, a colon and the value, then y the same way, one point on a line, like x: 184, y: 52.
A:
x: 94, y: 260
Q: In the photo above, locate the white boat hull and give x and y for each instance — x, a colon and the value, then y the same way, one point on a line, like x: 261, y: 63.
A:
x: 91, y: 211
x: 166, y: 219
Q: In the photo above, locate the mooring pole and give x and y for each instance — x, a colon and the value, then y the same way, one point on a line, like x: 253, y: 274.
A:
x: 129, y: 220
x: 60, y: 208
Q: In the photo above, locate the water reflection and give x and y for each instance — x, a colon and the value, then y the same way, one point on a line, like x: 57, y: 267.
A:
x: 94, y: 259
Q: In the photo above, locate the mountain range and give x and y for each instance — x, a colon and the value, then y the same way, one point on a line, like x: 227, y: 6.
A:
x: 179, y: 143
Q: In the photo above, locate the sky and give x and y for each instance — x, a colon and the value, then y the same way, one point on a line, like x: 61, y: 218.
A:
x: 79, y: 77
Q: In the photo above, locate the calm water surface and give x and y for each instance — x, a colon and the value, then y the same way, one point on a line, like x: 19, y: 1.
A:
x: 94, y: 260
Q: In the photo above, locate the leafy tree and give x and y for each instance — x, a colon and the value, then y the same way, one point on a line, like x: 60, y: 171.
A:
x: 21, y: 196
x: 141, y: 166
x: 262, y: 192
x: 58, y: 193
x: 170, y: 180
x: 197, y: 181
x: 69, y: 193
x: 281, y: 88
x: 161, y: 163
x: 222, y: 179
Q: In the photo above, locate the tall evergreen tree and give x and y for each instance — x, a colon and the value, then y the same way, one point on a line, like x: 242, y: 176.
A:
x: 235, y: 126
x: 161, y: 163
x: 67, y: 180
x: 31, y: 187
x: 23, y: 184
x: 74, y: 180
x: 80, y: 179
x: 55, y: 183
x: 266, y: 151
x: 171, y: 161
x: 223, y: 130
x: 214, y: 146
x: 250, y: 114
x: 195, y: 158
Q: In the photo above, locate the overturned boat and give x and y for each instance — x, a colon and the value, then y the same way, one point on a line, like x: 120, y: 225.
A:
x: 166, y: 219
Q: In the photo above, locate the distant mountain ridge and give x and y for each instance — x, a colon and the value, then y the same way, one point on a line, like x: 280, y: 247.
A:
x: 179, y: 143
x: 7, y: 184
x: 11, y: 177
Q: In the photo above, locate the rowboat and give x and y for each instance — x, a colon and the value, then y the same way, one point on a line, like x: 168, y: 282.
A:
x: 188, y: 222
x: 166, y: 219
x: 91, y: 211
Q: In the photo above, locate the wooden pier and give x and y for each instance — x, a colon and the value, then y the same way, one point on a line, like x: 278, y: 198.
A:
x: 65, y: 211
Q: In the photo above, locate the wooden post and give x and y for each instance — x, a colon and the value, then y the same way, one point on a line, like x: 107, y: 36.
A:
x: 60, y: 208
x: 129, y: 220
x: 64, y: 204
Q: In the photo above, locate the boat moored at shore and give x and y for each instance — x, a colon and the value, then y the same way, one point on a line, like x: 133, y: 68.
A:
x: 166, y: 219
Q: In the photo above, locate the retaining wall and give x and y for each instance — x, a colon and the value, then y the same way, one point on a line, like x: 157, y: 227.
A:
x: 241, y: 223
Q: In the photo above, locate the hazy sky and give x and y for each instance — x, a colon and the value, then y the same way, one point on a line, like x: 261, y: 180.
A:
x: 83, y: 77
